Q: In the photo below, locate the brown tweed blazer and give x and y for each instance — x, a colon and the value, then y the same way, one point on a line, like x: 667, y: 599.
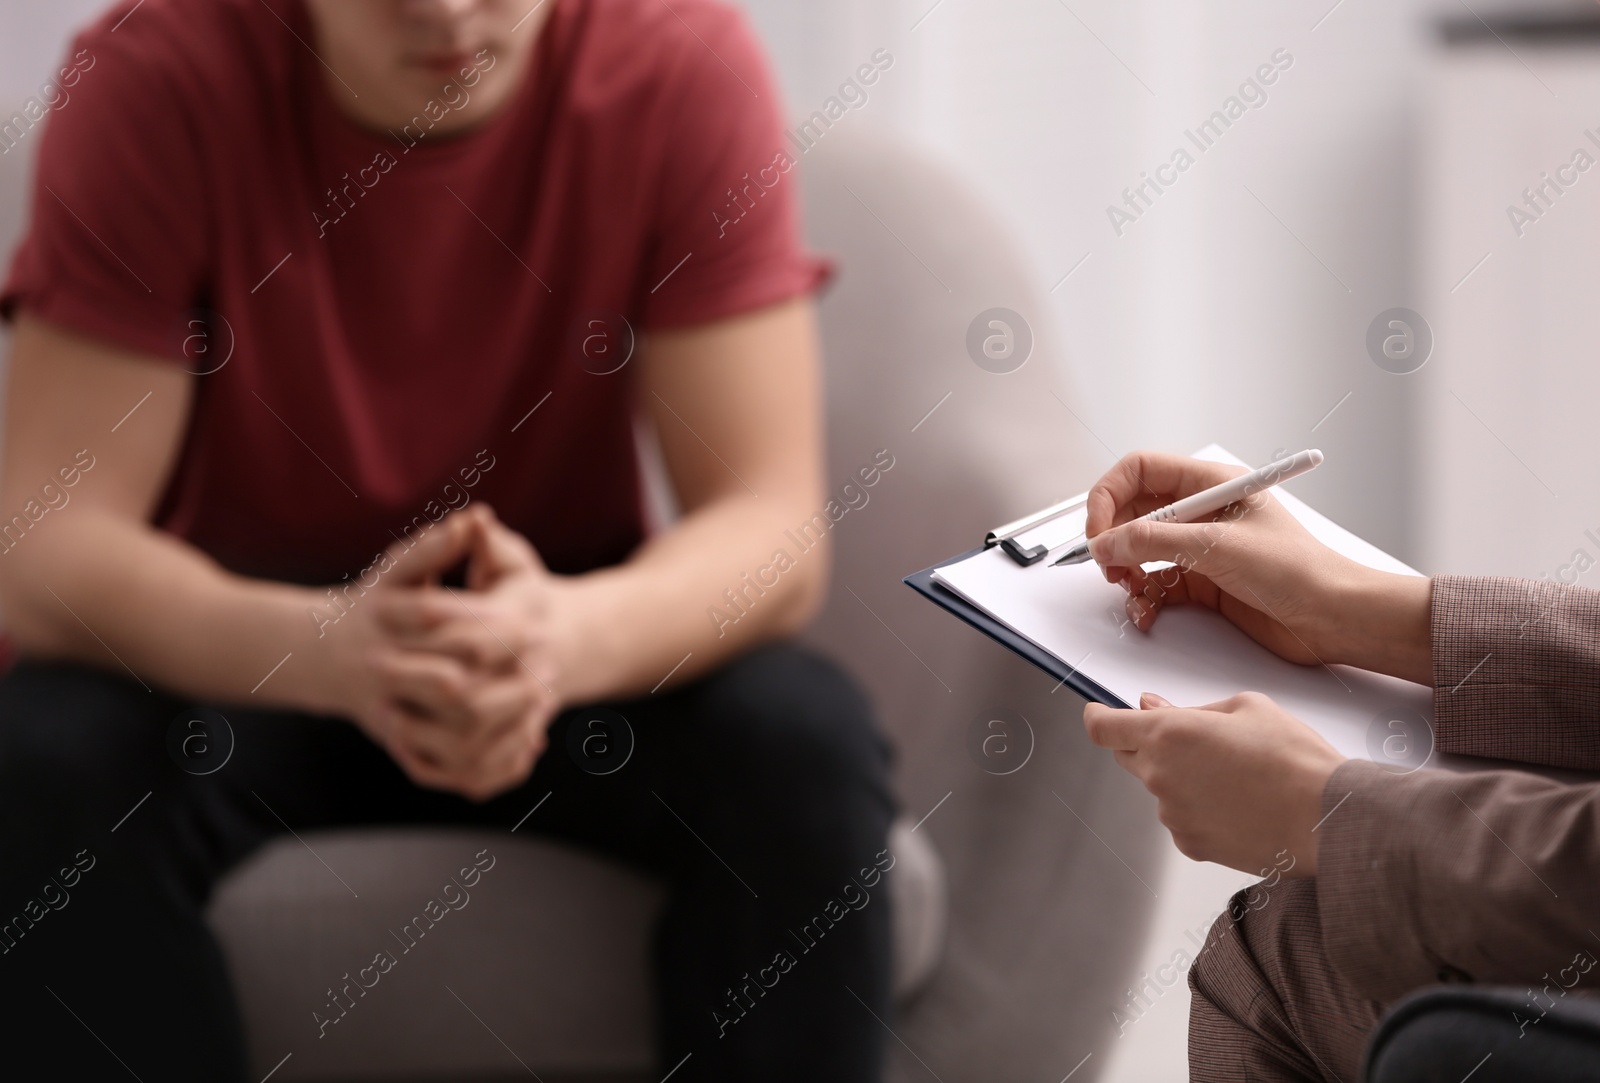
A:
x: 1491, y: 876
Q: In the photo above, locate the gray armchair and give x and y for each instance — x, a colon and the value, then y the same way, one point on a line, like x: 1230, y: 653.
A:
x: 1047, y: 867
x: 1018, y: 902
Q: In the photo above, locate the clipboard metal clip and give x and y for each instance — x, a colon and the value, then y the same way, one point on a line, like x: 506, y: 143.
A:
x: 1006, y: 536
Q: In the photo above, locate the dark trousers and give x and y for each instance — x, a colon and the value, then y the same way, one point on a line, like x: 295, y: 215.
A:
x: 773, y: 761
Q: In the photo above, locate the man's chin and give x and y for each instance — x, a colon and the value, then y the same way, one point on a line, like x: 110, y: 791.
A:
x: 440, y: 70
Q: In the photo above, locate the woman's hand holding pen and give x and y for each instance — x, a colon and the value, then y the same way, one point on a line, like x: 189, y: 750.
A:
x: 1241, y: 782
x: 1256, y: 565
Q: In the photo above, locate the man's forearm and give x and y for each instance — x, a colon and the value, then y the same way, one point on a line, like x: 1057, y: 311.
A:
x: 104, y: 590
x: 723, y: 579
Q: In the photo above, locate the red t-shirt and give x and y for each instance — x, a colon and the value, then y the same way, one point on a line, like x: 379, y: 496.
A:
x: 387, y: 309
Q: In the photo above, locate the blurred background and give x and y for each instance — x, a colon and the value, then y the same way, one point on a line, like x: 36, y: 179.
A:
x: 1377, y: 172
x: 1377, y: 175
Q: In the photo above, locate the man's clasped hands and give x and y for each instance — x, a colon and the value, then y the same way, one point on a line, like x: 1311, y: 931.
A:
x: 458, y: 685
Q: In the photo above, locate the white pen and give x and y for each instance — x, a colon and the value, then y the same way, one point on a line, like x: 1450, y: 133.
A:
x: 1209, y: 501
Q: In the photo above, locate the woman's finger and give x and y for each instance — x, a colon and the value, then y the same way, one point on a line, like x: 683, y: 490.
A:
x: 1143, y: 542
x: 1115, y: 728
x: 1142, y: 481
x: 1151, y: 592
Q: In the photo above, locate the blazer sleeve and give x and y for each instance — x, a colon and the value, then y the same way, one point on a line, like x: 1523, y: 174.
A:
x: 1516, y: 670
x: 1441, y: 876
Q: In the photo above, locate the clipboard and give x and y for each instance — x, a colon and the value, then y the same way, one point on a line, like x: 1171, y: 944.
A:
x: 1016, y: 536
x: 1070, y: 623
x: 1211, y: 651
x: 1020, y: 540
x: 923, y: 583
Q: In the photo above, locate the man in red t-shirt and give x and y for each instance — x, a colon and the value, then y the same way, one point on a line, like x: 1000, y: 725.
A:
x: 310, y: 287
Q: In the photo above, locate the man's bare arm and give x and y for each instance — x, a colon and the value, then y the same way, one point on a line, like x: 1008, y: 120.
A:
x: 737, y: 406
x: 92, y: 580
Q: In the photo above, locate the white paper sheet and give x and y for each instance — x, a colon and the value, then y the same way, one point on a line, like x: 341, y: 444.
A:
x: 1193, y: 656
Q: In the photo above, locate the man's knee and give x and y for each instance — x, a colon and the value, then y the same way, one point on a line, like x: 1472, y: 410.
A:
x: 69, y: 734
x: 786, y: 744
x: 792, y: 720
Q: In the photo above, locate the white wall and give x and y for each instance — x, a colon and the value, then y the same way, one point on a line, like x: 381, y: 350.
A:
x: 33, y: 42
x: 1207, y: 319
x: 33, y: 39
x: 1507, y: 410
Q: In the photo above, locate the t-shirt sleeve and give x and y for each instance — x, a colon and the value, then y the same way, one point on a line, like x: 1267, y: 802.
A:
x: 117, y: 234
x: 727, y: 231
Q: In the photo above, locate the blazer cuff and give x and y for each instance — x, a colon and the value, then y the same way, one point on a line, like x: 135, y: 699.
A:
x: 1516, y: 670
